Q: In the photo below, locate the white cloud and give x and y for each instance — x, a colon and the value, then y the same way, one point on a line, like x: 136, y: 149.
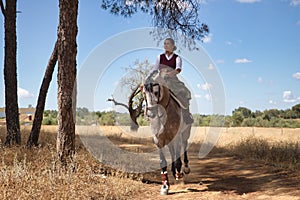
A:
x: 202, y: 1
x: 116, y: 83
x: 248, y: 1
x: 210, y: 67
x: 207, y: 39
x: 296, y: 75
x: 228, y: 43
x: 197, y: 96
x: 272, y: 102
x: 298, y: 22
x: 207, y: 97
x: 288, y: 97
x: 220, y: 61
x: 295, y: 2
x: 22, y: 93
x: 108, y: 109
x: 242, y: 60
x: 205, y: 86
x: 260, y: 80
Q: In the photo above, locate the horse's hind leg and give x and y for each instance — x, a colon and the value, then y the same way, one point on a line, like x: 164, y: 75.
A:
x: 173, y: 158
x: 185, y: 138
x: 177, y: 164
x: 186, y: 168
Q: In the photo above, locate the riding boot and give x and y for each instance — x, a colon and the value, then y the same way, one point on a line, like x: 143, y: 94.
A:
x: 187, y: 116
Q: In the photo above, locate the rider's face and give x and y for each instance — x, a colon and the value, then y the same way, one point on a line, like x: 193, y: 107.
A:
x: 168, y: 46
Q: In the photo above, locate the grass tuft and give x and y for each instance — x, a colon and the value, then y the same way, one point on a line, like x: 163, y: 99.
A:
x: 35, y: 174
x: 285, y: 155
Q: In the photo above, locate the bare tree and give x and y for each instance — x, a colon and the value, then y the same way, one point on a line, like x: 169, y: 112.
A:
x: 134, y: 107
x: 38, y: 115
x: 67, y: 51
x: 9, y: 12
x: 131, y: 83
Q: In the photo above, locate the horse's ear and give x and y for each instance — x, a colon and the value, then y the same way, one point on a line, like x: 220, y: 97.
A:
x: 148, y: 87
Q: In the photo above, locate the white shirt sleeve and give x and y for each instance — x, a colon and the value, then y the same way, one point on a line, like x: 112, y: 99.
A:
x: 156, y: 65
x: 178, y: 63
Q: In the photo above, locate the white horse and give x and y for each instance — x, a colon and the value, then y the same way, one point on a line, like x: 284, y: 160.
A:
x: 164, y: 112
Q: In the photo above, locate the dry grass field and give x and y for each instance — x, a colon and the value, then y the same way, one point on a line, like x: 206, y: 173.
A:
x: 246, y: 163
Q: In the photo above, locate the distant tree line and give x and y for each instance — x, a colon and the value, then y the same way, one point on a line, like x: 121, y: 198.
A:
x: 50, y: 117
x: 241, y: 117
x: 244, y: 117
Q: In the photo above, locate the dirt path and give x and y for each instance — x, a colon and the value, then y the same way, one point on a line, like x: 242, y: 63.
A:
x: 222, y: 177
x: 219, y: 176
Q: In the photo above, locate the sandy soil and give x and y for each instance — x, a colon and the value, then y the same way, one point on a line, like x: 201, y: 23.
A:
x: 223, y: 177
x: 220, y: 176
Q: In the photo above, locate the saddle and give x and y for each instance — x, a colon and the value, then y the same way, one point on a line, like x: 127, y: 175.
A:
x: 187, y: 116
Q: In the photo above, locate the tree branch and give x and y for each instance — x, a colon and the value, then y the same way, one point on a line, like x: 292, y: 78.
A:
x: 2, y: 8
x: 134, y: 113
x: 118, y: 103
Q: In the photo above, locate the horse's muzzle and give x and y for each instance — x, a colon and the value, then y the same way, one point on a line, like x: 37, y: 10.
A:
x: 152, y: 112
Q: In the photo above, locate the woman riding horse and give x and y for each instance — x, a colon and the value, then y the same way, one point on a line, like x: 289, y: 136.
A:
x: 170, y: 121
x: 169, y: 65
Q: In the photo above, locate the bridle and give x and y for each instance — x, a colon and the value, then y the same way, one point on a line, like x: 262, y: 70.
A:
x: 154, y: 108
x: 149, y: 88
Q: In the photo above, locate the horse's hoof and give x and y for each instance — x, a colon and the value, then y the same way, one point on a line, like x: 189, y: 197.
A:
x: 164, y: 190
x: 186, y: 170
x: 178, y: 176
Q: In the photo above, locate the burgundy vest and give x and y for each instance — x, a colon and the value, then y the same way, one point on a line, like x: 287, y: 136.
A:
x: 165, y: 62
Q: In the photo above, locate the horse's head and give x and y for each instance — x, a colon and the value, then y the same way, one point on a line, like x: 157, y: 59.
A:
x: 152, y: 94
x: 156, y: 96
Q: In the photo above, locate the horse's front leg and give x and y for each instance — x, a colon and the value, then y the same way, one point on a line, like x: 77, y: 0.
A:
x: 186, y: 168
x: 176, y: 160
x: 164, y: 174
x: 178, y: 163
x: 173, y: 158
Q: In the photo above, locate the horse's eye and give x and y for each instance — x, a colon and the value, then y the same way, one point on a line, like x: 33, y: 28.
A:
x: 156, y: 93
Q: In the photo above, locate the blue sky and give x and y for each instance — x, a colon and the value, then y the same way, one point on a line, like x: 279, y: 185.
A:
x: 254, y: 45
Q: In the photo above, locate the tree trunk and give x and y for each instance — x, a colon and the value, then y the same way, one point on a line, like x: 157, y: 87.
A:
x: 10, y: 75
x: 67, y: 51
x: 38, y: 115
